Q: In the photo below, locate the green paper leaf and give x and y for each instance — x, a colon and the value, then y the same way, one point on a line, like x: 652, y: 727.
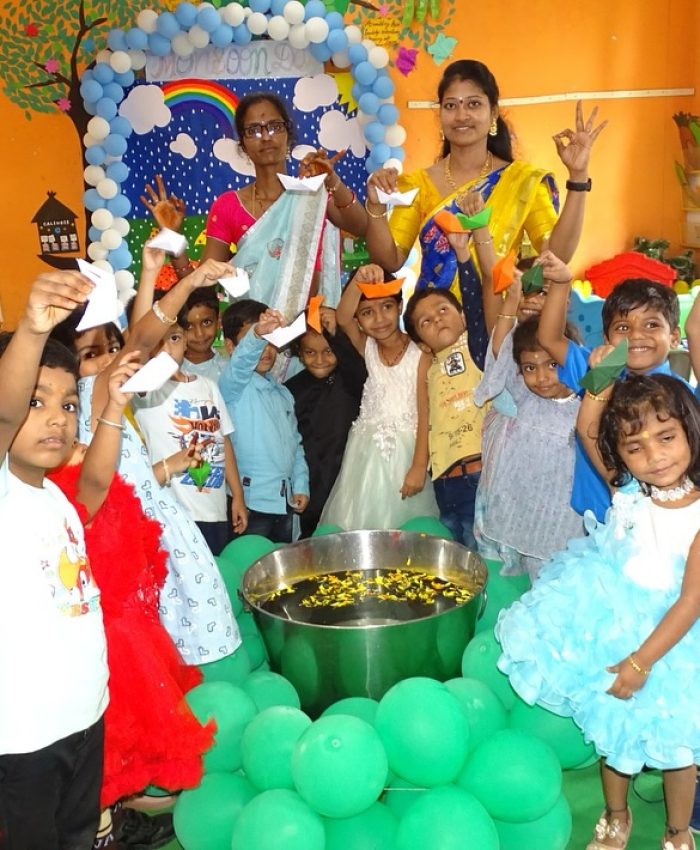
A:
x: 607, y: 371
x: 533, y: 279
x: 199, y: 474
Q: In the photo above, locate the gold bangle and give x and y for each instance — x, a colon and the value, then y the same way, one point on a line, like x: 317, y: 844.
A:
x: 603, y: 399
x: 507, y: 316
x: 371, y: 214
x: 109, y: 422
x: 166, y: 320
x: 166, y: 471
x: 482, y: 241
x: 637, y: 667
x: 353, y: 200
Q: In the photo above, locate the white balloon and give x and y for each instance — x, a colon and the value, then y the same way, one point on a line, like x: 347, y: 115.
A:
x: 138, y: 59
x: 120, y: 61
x: 247, y: 12
x: 277, y: 28
x: 257, y: 23
x: 102, y: 219
x: 293, y: 12
x: 147, y: 19
x: 378, y: 57
x: 354, y: 34
x: 110, y: 239
x: 233, y: 14
x: 198, y: 37
x: 124, y: 280
x: 103, y: 56
x: 317, y: 30
x: 98, y: 128
x: 182, y: 46
x: 364, y: 118
x: 368, y: 44
x: 341, y: 59
x: 394, y: 163
x: 89, y: 140
x: 104, y: 265
x: 107, y: 188
x: 93, y: 174
x: 298, y: 37
x: 97, y: 251
x: 121, y: 225
x: 395, y: 136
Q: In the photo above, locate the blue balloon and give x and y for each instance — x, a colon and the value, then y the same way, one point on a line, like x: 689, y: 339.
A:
x: 208, y: 19
x: 114, y: 92
x: 120, y: 258
x: 126, y: 78
x: 121, y: 126
x: 115, y: 145
x: 314, y: 9
x: 383, y: 86
x: 158, y: 44
x: 117, y: 171
x: 136, y: 39
x: 103, y: 73
x: 277, y: 6
x: 94, y: 234
x: 119, y: 206
x: 357, y: 90
x: 374, y: 133
x: 91, y: 90
x: 337, y: 40
x: 321, y: 52
x: 357, y: 53
x: 95, y: 155
x: 335, y: 21
x: 222, y: 35
x: 381, y: 152
x: 371, y: 165
x: 365, y: 74
x: 167, y: 25
x: 388, y: 114
x: 369, y: 103
x: 116, y: 40
x: 260, y: 5
x: 398, y: 153
x: 87, y: 75
x: 106, y: 108
x: 242, y: 35
x: 186, y: 14
x: 90, y: 107
x: 91, y: 200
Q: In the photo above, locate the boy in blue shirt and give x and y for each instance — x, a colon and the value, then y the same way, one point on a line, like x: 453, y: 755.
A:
x: 267, y: 442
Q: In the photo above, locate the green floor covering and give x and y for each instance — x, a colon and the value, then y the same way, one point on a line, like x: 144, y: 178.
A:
x: 582, y: 789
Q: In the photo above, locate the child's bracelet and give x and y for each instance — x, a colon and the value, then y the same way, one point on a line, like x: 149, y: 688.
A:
x: 371, y: 214
x: 352, y: 201
x: 482, y: 241
x: 166, y: 320
x: 604, y: 399
x: 510, y: 316
x: 637, y: 667
x: 166, y: 471
x: 109, y: 422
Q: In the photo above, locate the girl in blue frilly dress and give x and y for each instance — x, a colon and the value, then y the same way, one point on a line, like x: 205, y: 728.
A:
x: 608, y: 634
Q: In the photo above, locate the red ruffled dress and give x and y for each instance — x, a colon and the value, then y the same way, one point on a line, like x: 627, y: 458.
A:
x: 151, y: 736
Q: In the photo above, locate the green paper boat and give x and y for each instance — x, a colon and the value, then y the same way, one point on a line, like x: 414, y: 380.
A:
x: 471, y: 222
x: 532, y: 279
x: 199, y: 474
x: 607, y: 371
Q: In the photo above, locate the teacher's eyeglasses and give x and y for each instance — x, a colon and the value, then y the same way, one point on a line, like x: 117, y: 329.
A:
x: 255, y: 131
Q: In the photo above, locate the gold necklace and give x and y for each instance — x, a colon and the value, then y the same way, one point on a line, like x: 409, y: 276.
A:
x: 262, y: 204
x: 485, y: 169
x: 395, y: 359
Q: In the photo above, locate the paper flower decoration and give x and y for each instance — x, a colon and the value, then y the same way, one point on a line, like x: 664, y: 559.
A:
x: 442, y: 48
x: 533, y: 279
x: 607, y: 371
x: 51, y: 65
x: 503, y: 273
x: 406, y: 60
x: 63, y: 104
x: 31, y: 30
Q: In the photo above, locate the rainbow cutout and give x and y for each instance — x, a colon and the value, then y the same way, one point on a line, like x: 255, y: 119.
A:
x: 209, y: 96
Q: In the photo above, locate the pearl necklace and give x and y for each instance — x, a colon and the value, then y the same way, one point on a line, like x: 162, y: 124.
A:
x: 673, y: 494
x: 485, y: 169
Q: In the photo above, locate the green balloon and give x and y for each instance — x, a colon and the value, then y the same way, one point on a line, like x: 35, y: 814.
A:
x: 246, y: 623
x: 373, y: 829
x: 255, y: 647
x: 400, y: 795
x: 362, y: 707
x: 240, y: 554
x: 514, y: 775
x: 298, y: 664
x: 446, y: 818
x: 278, y: 820
x: 561, y: 733
x: 502, y: 591
x: 327, y: 528
x: 428, y: 525
x: 204, y: 817
x: 550, y: 832
x: 484, y: 710
x: 339, y: 766
x: 424, y: 731
x: 479, y: 662
x: 234, y: 668
x: 267, y: 689
x: 231, y: 709
x: 267, y: 745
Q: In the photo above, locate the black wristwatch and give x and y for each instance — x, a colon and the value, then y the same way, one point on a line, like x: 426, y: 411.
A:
x: 573, y: 186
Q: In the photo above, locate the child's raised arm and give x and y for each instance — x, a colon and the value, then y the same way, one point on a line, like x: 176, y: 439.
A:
x: 591, y: 412
x: 241, y: 366
x: 550, y: 333
x: 350, y: 301
x: 507, y: 314
x: 632, y: 671
x: 151, y: 263
x: 53, y: 296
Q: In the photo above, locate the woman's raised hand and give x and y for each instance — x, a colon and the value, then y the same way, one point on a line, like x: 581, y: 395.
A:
x: 471, y: 203
x: 209, y: 271
x: 574, y: 147
x: 384, y: 179
x: 318, y: 162
x: 167, y: 210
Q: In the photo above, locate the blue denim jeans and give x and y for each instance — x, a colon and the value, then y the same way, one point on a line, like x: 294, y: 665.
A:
x: 456, y: 498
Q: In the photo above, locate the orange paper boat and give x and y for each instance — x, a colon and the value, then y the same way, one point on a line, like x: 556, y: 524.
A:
x: 381, y: 290
x: 448, y: 222
x: 313, y: 313
x: 504, y: 273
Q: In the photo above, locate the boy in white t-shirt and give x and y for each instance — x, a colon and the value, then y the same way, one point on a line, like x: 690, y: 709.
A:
x: 188, y: 431
x: 53, y: 671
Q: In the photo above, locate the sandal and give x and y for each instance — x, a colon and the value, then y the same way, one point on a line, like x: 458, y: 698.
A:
x: 668, y: 845
x: 614, y: 829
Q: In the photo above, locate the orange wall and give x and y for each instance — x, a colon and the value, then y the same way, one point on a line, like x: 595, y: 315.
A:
x: 535, y: 48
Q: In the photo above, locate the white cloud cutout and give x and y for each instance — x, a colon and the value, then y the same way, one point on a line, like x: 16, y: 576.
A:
x: 228, y: 151
x: 184, y: 145
x: 300, y: 151
x: 312, y: 92
x: 145, y: 109
x: 337, y: 132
